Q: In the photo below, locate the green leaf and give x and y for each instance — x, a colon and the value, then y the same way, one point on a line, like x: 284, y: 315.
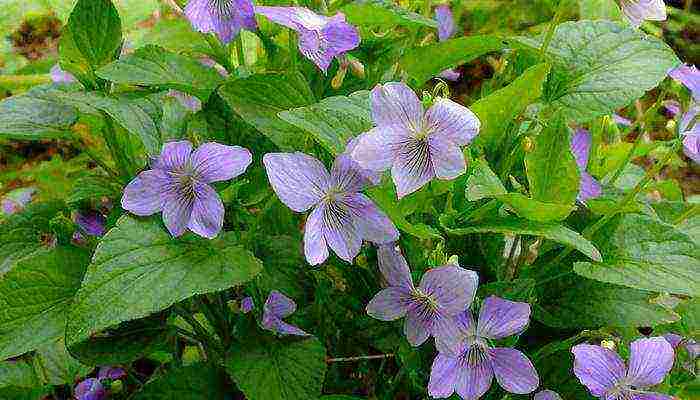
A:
x: 93, y: 186
x: 602, y: 66
x: 551, y: 167
x: 517, y: 226
x: 600, y: 9
x: 514, y: 290
x: 193, y: 382
x: 55, y: 366
x: 644, y: 253
x: 28, y: 118
x: 19, y: 393
x: 18, y: 373
x: 155, y: 66
x: 385, y: 198
x: 333, y: 121
x: 259, y: 98
x: 500, y: 108
x: 273, y: 369
x: 384, y: 14
x: 34, y: 297
x: 138, y: 269
x: 482, y: 182
x: 423, y: 63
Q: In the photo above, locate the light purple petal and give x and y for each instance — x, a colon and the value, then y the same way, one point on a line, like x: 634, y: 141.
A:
x: 589, y: 187
x: 16, y: 200
x: 500, y: 318
x: 448, y: 335
x: 144, y: 195
x: 447, y: 158
x: 443, y: 376
x: 640, y: 10
x: 177, y: 212
x: 375, y: 149
x: 412, y: 167
x: 288, y: 329
x: 313, y: 47
x: 417, y: 327
x: 454, y: 122
x: 547, y: 395
x: 279, y: 305
x: 60, y: 76
x: 247, y: 305
x: 673, y: 339
x: 452, y: 287
x: 451, y: 75
x: 389, y: 304
x: 293, y: 17
x: 393, y: 266
x: 175, y: 155
x: 581, y: 147
x: 299, y: 180
x: 112, y: 373
x: 474, y: 381
x: 689, y: 76
x: 346, y: 176
x: 213, y: 162
x: 620, y: 120
x: 652, y: 396
x: 650, y: 360
x: 340, y: 36
x: 90, y: 389
x: 446, y: 22
x: 223, y: 17
x: 374, y: 177
x: 315, y: 247
x: 374, y: 225
x: 514, y: 371
x: 597, y: 368
x: 92, y: 223
x: 688, y: 123
x: 691, y: 147
x: 394, y: 104
x: 672, y: 106
x: 207, y: 217
x: 465, y: 328
x: 341, y: 232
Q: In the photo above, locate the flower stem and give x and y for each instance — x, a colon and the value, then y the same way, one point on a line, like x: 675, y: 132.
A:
x: 292, y: 51
x: 359, y: 358
x: 240, y: 54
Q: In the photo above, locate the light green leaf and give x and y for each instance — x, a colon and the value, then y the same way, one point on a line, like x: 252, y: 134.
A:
x: 93, y: 186
x: 602, y: 66
x: 34, y: 297
x: 193, y: 382
x: 423, y: 63
x: 644, y: 253
x: 384, y: 14
x: 55, y: 366
x: 17, y: 373
x: 259, y: 98
x: 28, y: 118
x: 600, y: 9
x: 385, y: 198
x: 139, y: 269
x: 333, y: 121
x: 551, y: 167
x: 155, y: 66
x: 272, y: 369
x: 514, y: 290
x: 483, y: 182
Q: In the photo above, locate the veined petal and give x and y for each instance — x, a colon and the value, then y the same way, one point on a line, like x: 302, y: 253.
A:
x: 547, y: 395
x: 314, y: 47
x: 144, y: 195
x: 581, y: 147
x: 689, y: 76
x: 639, y: 10
x: 465, y: 328
x: 500, y: 318
x: 474, y: 380
x: 394, y: 266
x: 346, y: 176
x: 673, y: 339
x: 299, y: 180
x: 207, y: 216
x: 598, y: 368
x: 451, y: 121
x: 373, y: 177
x: 213, y: 162
x: 199, y: 13
x: 175, y: 155
x: 652, y: 396
x: 341, y: 231
x: 691, y: 147
x: 412, y: 168
x: 375, y: 149
x: 177, y: 212
x: 92, y: 223
x: 446, y: 22
x: 514, y: 371
x: 293, y: 17
x: 315, y: 247
x: 589, y: 187
x: 223, y: 17
x: 373, y: 224
x: 448, y: 335
x: 395, y: 105
x: 443, y: 376
x: 284, y: 328
x: 452, y: 287
x: 447, y: 158
x: 389, y: 304
x: 279, y: 305
x: 340, y: 36
x: 418, y: 327
x: 58, y: 75
x: 90, y: 389
x: 650, y: 360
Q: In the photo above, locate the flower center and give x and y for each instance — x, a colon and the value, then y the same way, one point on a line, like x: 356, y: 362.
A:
x: 621, y: 391
x: 426, y: 301
x: 477, y: 352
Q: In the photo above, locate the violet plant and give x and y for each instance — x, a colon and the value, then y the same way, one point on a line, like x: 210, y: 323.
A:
x: 496, y: 203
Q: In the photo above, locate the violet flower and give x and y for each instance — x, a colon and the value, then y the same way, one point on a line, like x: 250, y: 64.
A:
x: 691, y: 347
x: 341, y: 216
x: 470, y: 370
x: 689, y: 129
x: 178, y: 185
x: 91, y: 222
x: 689, y: 76
x: 620, y: 120
x: 321, y: 38
x: 278, y: 306
x: 581, y: 147
x: 446, y: 29
x: 604, y: 373
x: 58, y: 75
x: 430, y: 308
x: 418, y: 146
x: 111, y: 373
x: 16, y: 200
x: 90, y: 389
x: 225, y: 18
x: 637, y: 11
x: 247, y: 305
x: 547, y: 395
x: 673, y: 107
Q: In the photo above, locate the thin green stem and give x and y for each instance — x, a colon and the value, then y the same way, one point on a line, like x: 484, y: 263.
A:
x: 21, y: 81
x: 212, y: 346
x: 552, y: 28
x: 359, y: 358
x: 691, y: 212
x: 292, y: 50
x: 240, y: 54
x: 627, y: 159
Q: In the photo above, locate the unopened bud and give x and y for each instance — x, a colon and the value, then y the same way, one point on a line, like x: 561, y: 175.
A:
x: 671, y: 125
x: 528, y: 145
x: 608, y: 344
x: 339, y: 77
x: 357, y: 68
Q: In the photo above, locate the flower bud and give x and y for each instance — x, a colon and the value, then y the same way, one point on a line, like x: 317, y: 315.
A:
x: 339, y: 77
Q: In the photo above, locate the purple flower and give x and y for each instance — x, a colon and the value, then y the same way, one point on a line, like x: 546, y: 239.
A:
x: 60, y: 76
x: 247, y: 305
x: 278, y: 306
x: 689, y: 129
x: 91, y: 222
x: 620, y: 120
x: 604, y: 373
x: 341, y: 217
x: 16, y: 200
x: 547, y: 395
x: 418, y: 146
x: 672, y: 106
x: 689, y: 76
x: 446, y: 29
x: 637, y: 11
x: 581, y: 147
x: 90, y: 389
x: 225, y: 18
x: 690, y: 345
x: 111, y: 373
x: 430, y: 308
x: 321, y: 38
x: 470, y: 370
x: 178, y: 185
x: 187, y: 100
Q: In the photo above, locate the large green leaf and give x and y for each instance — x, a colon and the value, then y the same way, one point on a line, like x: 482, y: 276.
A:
x: 17, y: 373
x: 384, y: 14
x: 93, y: 186
x: 602, y: 66
x: 20, y: 393
x: 193, y: 382
x: 600, y: 9
x: 423, y: 63
x: 273, y: 369
x: 28, y: 118
x: 138, y: 269
x: 55, y: 366
x: 155, y: 66
x: 551, y: 167
x: 334, y: 120
x: 34, y: 297
x: 644, y: 253
x: 517, y: 226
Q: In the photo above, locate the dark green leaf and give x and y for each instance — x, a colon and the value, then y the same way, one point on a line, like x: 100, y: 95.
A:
x: 18, y: 373
x: 384, y: 14
x: 28, y: 118
x: 515, y: 290
x: 194, y: 382
x: 93, y: 186
x: 18, y: 393
x: 55, y: 366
